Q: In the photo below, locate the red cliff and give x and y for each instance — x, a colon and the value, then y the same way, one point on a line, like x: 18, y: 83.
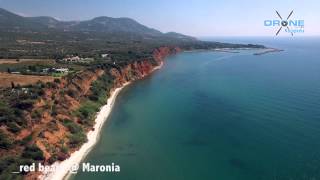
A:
x: 141, y: 68
x: 61, y: 99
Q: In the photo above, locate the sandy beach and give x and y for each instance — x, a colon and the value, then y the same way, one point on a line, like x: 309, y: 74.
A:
x: 62, y: 168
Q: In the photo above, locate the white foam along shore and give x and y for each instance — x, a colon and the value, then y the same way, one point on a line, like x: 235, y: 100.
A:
x: 62, y: 168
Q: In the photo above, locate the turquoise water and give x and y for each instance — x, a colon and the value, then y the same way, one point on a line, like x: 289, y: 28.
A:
x: 224, y: 116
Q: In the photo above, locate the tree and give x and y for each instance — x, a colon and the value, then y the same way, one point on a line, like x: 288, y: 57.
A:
x: 5, y: 142
x: 57, y: 80
x: 33, y: 152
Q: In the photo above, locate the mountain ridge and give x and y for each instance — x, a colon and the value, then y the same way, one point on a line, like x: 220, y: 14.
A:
x: 47, y: 37
x: 102, y: 24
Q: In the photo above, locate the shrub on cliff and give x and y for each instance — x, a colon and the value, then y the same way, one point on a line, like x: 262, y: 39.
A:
x: 6, y: 113
x: 52, y: 159
x: 33, y: 152
x: 24, y: 104
x: 72, y: 126
x: 52, y: 126
x: 9, y: 164
x: 87, y: 112
x: 36, y: 114
x: 56, y: 80
x: 76, y: 140
x: 12, y: 126
x: 5, y: 142
x: 25, y: 140
x: 71, y: 93
x: 54, y: 109
x: 64, y: 149
x: 100, y: 88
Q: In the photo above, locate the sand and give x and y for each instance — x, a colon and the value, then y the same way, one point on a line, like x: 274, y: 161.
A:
x: 62, y: 168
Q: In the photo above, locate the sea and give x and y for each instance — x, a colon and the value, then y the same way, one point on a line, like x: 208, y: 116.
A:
x: 210, y: 115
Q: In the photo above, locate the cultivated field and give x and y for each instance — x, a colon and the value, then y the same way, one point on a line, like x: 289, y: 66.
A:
x: 6, y: 79
x: 30, y: 61
x: 15, y: 65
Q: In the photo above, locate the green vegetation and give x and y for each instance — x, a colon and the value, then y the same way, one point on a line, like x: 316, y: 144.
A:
x: 36, y: 114
x: 100, y: 88
x: 13, y: 127
x: 26, y: 140
x: 77, y: 136
x: 12, y: 118
x: 64, y: 149
x: 57, y: 80
x: 87, y: 112
x: 11, y: 163
x: 77, y: 139
x: 33, y: 38
x: 52, y: 126
x: 99, y: 92
x: 72, y: 126
x: 130, y: 55
x: 57, y: 74
x: 88, y: 109
x: 5, y: 142
x: 15, y: 103
x: 33, y: 152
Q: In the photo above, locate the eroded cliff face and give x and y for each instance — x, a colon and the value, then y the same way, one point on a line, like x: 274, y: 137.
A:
x: 57, y: 121
x: 160, y: 53
x: 139, y: 69
x: 47, y: 118
x: 56, y: 105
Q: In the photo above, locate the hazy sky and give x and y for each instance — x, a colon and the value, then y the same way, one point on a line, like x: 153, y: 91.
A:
x: 191, y: 17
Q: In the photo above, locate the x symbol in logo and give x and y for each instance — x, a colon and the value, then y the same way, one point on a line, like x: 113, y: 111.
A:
x: 284, y: 23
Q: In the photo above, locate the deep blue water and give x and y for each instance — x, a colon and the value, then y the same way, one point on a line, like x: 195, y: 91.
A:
x: 215, y: 115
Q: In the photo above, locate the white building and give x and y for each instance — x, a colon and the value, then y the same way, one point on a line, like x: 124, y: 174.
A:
x: 72, y: 59
x: 104, y: 55
x: 61, y: 70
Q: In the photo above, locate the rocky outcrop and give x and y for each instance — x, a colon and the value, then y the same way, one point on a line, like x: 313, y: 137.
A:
x: 160, y: 53
x: 141, y: 68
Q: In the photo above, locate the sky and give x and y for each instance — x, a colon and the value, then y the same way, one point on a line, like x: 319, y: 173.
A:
x: 197, y: 18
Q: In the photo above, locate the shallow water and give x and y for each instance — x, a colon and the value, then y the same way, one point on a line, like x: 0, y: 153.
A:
x: 215, y: 115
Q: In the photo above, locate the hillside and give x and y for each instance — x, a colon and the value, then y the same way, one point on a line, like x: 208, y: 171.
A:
x: 46, y: 37
x: 103, y: 24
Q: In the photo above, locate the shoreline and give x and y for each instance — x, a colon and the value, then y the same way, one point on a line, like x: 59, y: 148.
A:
x: 62, y: 167
x: 225, y: 50
x: 267, y: 51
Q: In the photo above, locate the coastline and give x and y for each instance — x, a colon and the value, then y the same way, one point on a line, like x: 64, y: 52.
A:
x: 267, y: 51
x: 225, y: 50
x: 62, y: 168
